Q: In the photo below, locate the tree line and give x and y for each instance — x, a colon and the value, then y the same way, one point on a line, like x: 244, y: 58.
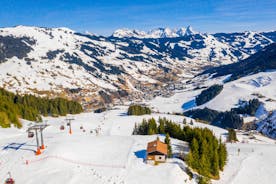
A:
x: 207, y: 154
x: 30, y: 107
x: 226, y: 119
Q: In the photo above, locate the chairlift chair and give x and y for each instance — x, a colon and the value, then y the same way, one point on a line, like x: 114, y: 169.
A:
x: 62, y: 127
x: 9, y: 180
x: 30, y: 134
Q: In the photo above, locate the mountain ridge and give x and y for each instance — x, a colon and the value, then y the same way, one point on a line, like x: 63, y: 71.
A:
x: 100, y: 70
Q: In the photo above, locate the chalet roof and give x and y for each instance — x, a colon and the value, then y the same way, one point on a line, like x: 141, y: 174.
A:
x: 157, y: 146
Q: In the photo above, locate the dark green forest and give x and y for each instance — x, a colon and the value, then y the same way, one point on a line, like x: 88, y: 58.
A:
x: 208, y: 94
x: 138, y: 110
x: 207, y: 154
x: 29, y: 107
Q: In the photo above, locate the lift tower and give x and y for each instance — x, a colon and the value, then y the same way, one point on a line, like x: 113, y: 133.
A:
x: 69, y: 120
x: 37, y: 128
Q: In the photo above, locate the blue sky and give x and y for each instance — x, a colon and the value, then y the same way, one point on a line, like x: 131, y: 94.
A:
x: 103, y: 17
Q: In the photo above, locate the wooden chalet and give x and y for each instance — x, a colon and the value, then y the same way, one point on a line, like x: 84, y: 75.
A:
x: 157, y: 152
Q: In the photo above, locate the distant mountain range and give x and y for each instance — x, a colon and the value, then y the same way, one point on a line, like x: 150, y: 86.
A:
x: 126, y: 65
x: 155, y: 33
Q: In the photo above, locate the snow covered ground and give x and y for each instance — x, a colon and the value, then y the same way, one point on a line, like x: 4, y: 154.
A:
x: 246, y: 88
x: 115, y: 156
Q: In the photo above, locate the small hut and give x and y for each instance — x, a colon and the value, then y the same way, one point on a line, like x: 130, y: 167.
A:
x: 157, y: 152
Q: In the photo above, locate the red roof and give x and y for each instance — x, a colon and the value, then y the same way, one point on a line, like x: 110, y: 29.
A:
x: 157, y: 146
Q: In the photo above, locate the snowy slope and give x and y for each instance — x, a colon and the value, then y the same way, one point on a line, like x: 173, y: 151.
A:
x: 115, y: 156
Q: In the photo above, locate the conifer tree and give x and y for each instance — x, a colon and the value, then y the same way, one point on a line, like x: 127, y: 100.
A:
x: 161, y: 127
x: 184, y: 121
x: 4, y: 120
x: 195, y: 154
x: 168, y: 142
x: 222, y: 152
x: 215, y: 165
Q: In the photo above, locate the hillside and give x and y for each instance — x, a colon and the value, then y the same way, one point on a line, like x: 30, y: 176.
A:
x: 268, y: 125
x: 98, y: 70
x: 261, y: 61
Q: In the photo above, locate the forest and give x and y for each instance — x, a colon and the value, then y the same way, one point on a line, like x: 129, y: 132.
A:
x: 207, y: 154
x: 138, y: 110
x: 208, y: 94
x: 29, y: 107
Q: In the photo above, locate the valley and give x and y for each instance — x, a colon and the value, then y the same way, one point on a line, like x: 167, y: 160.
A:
x: 229, y: 79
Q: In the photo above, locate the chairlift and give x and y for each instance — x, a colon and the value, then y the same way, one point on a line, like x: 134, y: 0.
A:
x: 62, y: 127
x: 68, y: 124
x: 9, y: 180
x: 30, y: 134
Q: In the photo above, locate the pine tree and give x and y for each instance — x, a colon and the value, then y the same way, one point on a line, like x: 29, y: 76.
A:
x: 184, y: 121
x: 204, y: 163
x: 152, y: 127
x: 161, y: 127
x: 232, y: 137
x: 215, y: 165
x: 168, y: 142
x: 195, y: 154
x: 4, y: 120
x: 222, y: 152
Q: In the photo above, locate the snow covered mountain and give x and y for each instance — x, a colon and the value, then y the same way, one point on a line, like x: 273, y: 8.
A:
x: 128, y: 65
x: 155, y: 33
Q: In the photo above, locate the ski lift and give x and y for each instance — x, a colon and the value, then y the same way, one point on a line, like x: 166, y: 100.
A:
x: 30, y: 134
x: 68, y: 124
x: 62, y: 127
x: 9, y: 180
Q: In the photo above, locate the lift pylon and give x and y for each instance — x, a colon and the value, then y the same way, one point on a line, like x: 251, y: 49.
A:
x: 69, y: 120
x: 36, y: 128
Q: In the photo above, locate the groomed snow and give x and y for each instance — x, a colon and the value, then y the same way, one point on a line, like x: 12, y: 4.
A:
x: 115, y: 156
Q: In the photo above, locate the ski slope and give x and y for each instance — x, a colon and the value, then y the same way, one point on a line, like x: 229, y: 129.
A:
x: 114, y: 156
